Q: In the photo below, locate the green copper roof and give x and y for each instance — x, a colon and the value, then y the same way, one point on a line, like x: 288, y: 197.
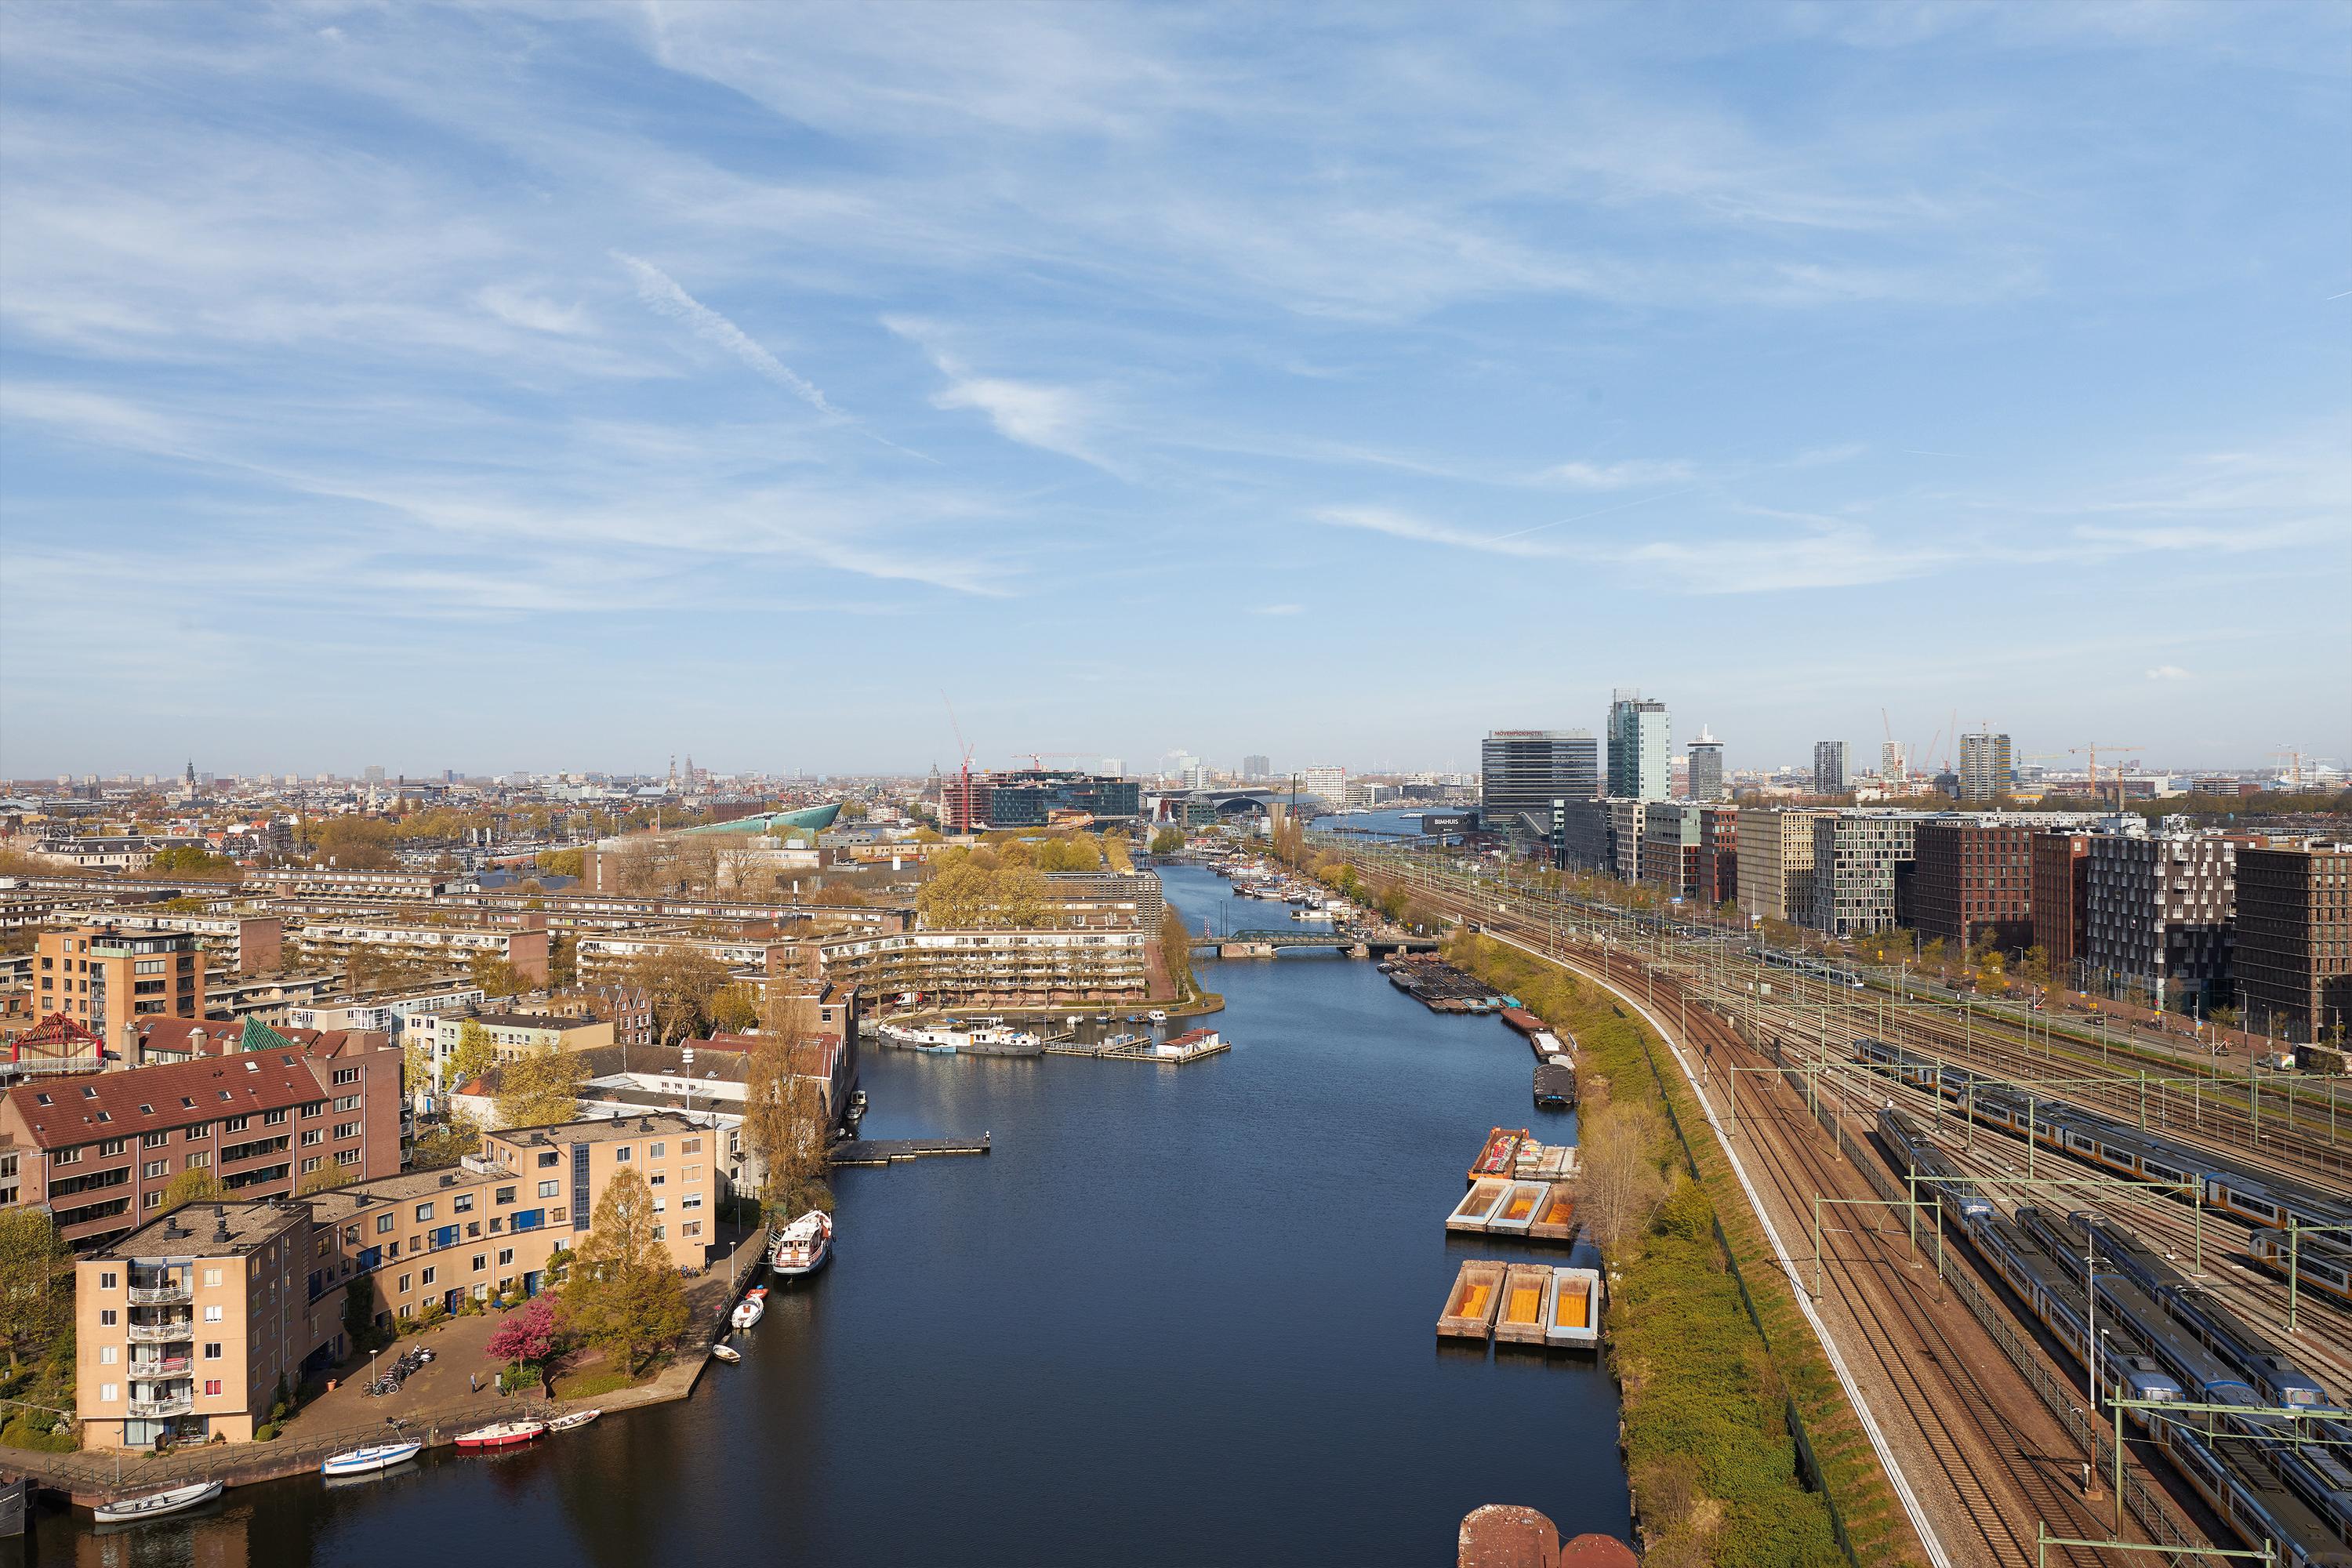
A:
x: 816, y: 818
x: 260, y: 1037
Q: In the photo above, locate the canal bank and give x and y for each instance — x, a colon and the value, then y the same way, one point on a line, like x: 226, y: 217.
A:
x: 1172, y: 1318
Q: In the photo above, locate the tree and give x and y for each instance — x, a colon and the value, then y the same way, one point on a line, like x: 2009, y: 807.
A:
x: 327, y: 1176
x: 445, y: 1144
x: 560, y: 862
x: 188, y: 860
x: 837, y: 894
x: 786, y: 1120
x: 475, y: 1054
x: 854, y: 811
x: 1619, y: 1186
x: 539, y: 1089
x: 1167, y: 841
x: 355, y: 843
x: 625, y: 1294
x: 359, y: 1310
x: 197, y: 1186
x: 530, y: 1333
x: 496, y: 976
x: 1176, y: 948
x: 735, y: 1009
x: 682, y: 982
x: 37, y: 1282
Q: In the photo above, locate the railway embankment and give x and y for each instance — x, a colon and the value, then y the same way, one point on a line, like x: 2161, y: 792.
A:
x: 1730, y: 1408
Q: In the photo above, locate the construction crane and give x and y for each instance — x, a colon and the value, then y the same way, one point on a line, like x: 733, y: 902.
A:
x: 2295, y: 769
x: 1036, y: 759
x: 964, y: 798
x: 1894, y: 753
x: 2092, y: 749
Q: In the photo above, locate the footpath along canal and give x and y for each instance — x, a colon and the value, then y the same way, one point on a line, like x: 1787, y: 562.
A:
x: 1178, y: 1316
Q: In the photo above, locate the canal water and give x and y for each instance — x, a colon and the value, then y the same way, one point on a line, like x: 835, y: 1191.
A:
x: 1179, y: 1316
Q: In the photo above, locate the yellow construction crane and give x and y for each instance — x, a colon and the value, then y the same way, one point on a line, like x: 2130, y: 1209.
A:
x: 2111, y: 747
x: 2295, y: 769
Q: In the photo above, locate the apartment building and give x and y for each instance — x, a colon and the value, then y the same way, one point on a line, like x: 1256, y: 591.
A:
x: 1522, y: 771
x: 184, y: 1327
x: 307, y: 881
x: 986, y: 969
x: 1718, y: 859
x: 186, y: 1324
x: 1641, y: 750
x: 1855, y: 855
x: 1626, y: 820
x: 99, y: 976
x: 333, y: 943
x: 1986, y: 770
x: 1829, y: 773
x: 1973, y: 876
x: 1776, y: 864
x: 251, y: 944
x: 100, y: 1151
x: 2159, y: 909
x: 2294, y: 956
x: 2061, y: 894
x: 1705, y: 781
x: 1672, y: 843
x: 392, y: 1015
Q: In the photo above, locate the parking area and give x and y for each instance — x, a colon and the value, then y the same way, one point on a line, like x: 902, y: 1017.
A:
x: 458, y: 1352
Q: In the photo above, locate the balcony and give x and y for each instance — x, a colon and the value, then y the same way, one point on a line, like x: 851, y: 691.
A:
x: 170, y: 1295
x: 174, y: 1404
x: 161, y: 1366
x: 182, y: 1332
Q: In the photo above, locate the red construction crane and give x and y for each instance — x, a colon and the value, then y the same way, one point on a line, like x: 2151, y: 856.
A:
x: 963, y: 797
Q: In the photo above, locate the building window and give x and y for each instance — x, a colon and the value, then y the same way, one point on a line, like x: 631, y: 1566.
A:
x: 424, y: 1213
x: 462, y: 1204
x: 212, y: 1350
x: 107, y: 1392
x: 403, y: 1283
x: 504, y: 1196
x: 506, y: 1255
x: 107, y: 1280
x: 384, y: 1222
x: 655, y: 1153
x: 212, y: 1278
x: 106, y: 1316
x: 212, y: 1314
x: 211, y: 1388
x: 481, y: 1261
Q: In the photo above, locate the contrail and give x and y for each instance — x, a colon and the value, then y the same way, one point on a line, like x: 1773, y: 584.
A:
x: 1582, y: 517
x: 660, y: 290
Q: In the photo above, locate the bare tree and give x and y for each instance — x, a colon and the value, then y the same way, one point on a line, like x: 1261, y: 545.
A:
x: 1619, y: 1182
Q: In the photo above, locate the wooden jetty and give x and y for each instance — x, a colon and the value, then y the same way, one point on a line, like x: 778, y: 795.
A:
x: 1524, y: 1311
x: 874, y: 1152
x: 1470, y: 1305
x: 1192, y: 1046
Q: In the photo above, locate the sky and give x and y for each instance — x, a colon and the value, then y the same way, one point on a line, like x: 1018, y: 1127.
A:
x: 540, y: 386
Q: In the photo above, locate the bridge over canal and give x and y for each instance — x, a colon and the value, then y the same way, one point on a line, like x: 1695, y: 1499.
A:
x: 1267, y: 943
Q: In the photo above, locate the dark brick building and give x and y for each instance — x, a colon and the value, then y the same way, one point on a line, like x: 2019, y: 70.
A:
x: 2293, y: 957
x: 1973, y: 878
x: 2062, y: 897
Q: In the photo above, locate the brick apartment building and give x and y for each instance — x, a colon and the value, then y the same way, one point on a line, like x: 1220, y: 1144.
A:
x: 2293, y: 957
x: 2160, y: 909
x: 1719, y: 860
x: 99, y: 1151
x: 1973, y: 878
x: 2062, y: 895
x: 99, y: 976
x: 184, y: 1325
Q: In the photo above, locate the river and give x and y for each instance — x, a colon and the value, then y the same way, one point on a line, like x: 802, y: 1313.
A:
x: 1179, y: 1316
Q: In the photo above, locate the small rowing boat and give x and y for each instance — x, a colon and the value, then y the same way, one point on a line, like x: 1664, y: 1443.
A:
x: 501, y: 1435
x: 572, y: 1421
x: 727, y: 1353
x: 371, y: 1460
x: 155, y: 1505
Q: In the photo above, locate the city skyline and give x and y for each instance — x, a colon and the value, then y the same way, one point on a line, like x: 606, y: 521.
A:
x: 438, y: 385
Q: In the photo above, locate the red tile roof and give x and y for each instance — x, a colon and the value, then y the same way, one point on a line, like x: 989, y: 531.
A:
x: 173, y: 1037
x: 171, y: 1094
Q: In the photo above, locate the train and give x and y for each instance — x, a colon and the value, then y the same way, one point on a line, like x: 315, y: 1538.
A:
x: 2231, y: 1471
x: 1805, y: 964
x: 2319, y: 1264
x: 2259, y: 1200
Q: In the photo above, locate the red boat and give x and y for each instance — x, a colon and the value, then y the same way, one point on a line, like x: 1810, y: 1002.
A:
x: 501, y: 1435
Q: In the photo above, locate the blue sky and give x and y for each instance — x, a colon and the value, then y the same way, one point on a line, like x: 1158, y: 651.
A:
x: 536, y: 386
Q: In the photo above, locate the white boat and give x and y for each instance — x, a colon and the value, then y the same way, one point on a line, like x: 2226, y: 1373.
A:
x: 727, y: 1353
x: 804, y: 1246
x: 370, y: 1461
x: 501, y: 1435
x: 747, y: 1313
x: 155, y: 1505
x: 1157, y: 1016
x: 574, y: 1420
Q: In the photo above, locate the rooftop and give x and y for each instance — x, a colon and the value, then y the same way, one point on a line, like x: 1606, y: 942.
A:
x: 528, y: 1021
x: 171, y: 1094
x: 209, y: 1230
x: 602, y: 1130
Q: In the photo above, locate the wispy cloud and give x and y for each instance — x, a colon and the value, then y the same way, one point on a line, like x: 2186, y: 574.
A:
x: 1278, y: 610
x: 660, y: 290
x: 1632, y: 473
x: 2168, y: 672
x: 1404, y: 525
x: 1035, y: 414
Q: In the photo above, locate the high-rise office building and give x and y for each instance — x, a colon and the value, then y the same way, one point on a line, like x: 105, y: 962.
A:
x: 1828, y: 767
x: 1257, y: 770
x: 1327, y: 784
x: 1893, y: 767
x: 1523, y: 772
x: 1705, y: 768
x: 1985, y: 770
x: 2159, y: 910
x: 2294, y: 958
x: 1640, y: 747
